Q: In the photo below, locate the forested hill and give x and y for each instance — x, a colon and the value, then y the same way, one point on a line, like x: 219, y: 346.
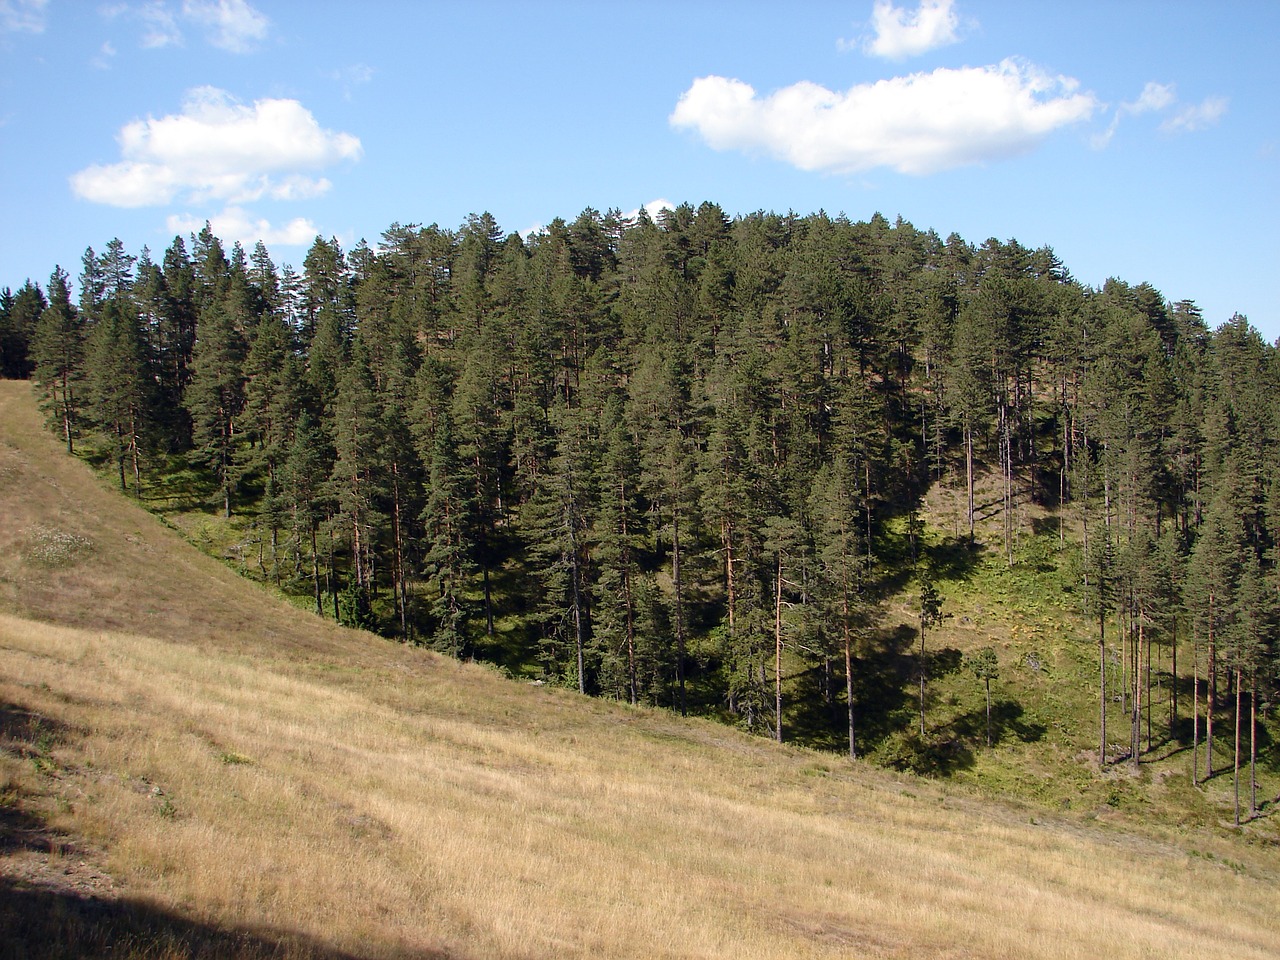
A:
x: 686, y: 462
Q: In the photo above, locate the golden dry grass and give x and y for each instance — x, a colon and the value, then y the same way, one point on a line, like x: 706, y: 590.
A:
x: 227, y: 760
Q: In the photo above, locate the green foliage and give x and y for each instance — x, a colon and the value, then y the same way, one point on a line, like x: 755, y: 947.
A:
x: 707, y: 462
x: 983, y: 664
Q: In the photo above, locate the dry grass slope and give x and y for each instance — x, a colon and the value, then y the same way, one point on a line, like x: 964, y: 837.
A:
x: 190, y: 767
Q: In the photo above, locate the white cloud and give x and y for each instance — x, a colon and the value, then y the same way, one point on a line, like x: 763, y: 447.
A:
x: 1196, y: 116
x: 22, y: 16
x: 160, y: 28
x: 1154, y: 96
x: 103, y: 59
x: 351, y: 77
x: 901, y: 33
x: 653, y: 208
x: 918, y: 124
x: 232, y: 25
x: 234, y: 224
x: 1159, y: 97
x: 218, y: 148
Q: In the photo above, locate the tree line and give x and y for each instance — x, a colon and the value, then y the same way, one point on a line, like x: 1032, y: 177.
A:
x: 683, y: 461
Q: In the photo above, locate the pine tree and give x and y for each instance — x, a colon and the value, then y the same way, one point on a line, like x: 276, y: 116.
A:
x: 18, y: 322
x: 58, y: 351
x: 1212, y: 578
x: 842, y: 559
x: 985, y: 666
x: 304, y: 495
x: 557, y: 518
x: 357, y: 479
x: 616, y: 534
x: 930, y: 614
x: 449, y: 520
x: 116, y: 383
x: 215, y: 397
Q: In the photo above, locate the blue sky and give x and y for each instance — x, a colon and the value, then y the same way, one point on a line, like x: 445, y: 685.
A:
x: 1139, y: 140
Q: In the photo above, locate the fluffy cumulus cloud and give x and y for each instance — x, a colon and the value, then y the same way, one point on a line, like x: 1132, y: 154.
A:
x: 653, y: 208
x: 898, y: 33
x: 917, y: 124
x: 234, y: 224
x: 218, y: 149
x: 22, y: 16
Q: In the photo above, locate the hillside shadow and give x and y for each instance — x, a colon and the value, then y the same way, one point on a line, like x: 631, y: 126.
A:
x: 817, y: 715
x: 167, y: 491
x: 1007, y: 723
x: 48, y: 924
x: 954, y: 559
x: 950, y: 747
x: 47, y: 912
x: 28, y: 735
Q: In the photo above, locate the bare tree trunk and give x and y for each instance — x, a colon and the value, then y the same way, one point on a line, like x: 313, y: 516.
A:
x: 1195, y: 711
x: 922, y: 677
x: 1148, y: 691
x: 777, y: 651
x: 987, y: 682
x: 968, y: 473
x: 1211, y: 696
x: 315, y: 572
x: 1173, y: 681
x: 628, y: 603
x: 1135, y: 746
x: 848, y: 673
x: 575, y: 573
x: 134, y: 454
x: 398, y: 590
x: 1253, y: 744
x: 488, y: 600
x: 679, y: 605
x: 1235, y: 771
x: 1102, y: 681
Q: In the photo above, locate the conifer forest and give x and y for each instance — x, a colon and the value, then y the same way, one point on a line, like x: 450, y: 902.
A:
x: 684, y: 462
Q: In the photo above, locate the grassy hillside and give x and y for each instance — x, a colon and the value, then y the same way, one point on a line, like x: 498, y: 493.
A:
x: 189, y: 766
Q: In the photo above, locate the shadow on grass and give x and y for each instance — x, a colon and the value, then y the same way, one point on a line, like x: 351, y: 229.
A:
x: 46, y: 924
x: 48, y: 914
x: 1007, y: 723
x: 947, y: 749
x: 954, y: 559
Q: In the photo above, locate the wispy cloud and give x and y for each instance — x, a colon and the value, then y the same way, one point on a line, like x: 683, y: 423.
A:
x: 1154, y: 96
x: 1196, y: 116
x: 22, y: 16
x: 898, y: 32
x: 106, y: 53
x: 1160, y: 98
x: 231, y: 25
x: 350, y: 77
x: 217, y: 148
x: 917, y: 124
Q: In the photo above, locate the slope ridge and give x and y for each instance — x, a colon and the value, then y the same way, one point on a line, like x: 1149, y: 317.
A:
x: 257, y: 782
